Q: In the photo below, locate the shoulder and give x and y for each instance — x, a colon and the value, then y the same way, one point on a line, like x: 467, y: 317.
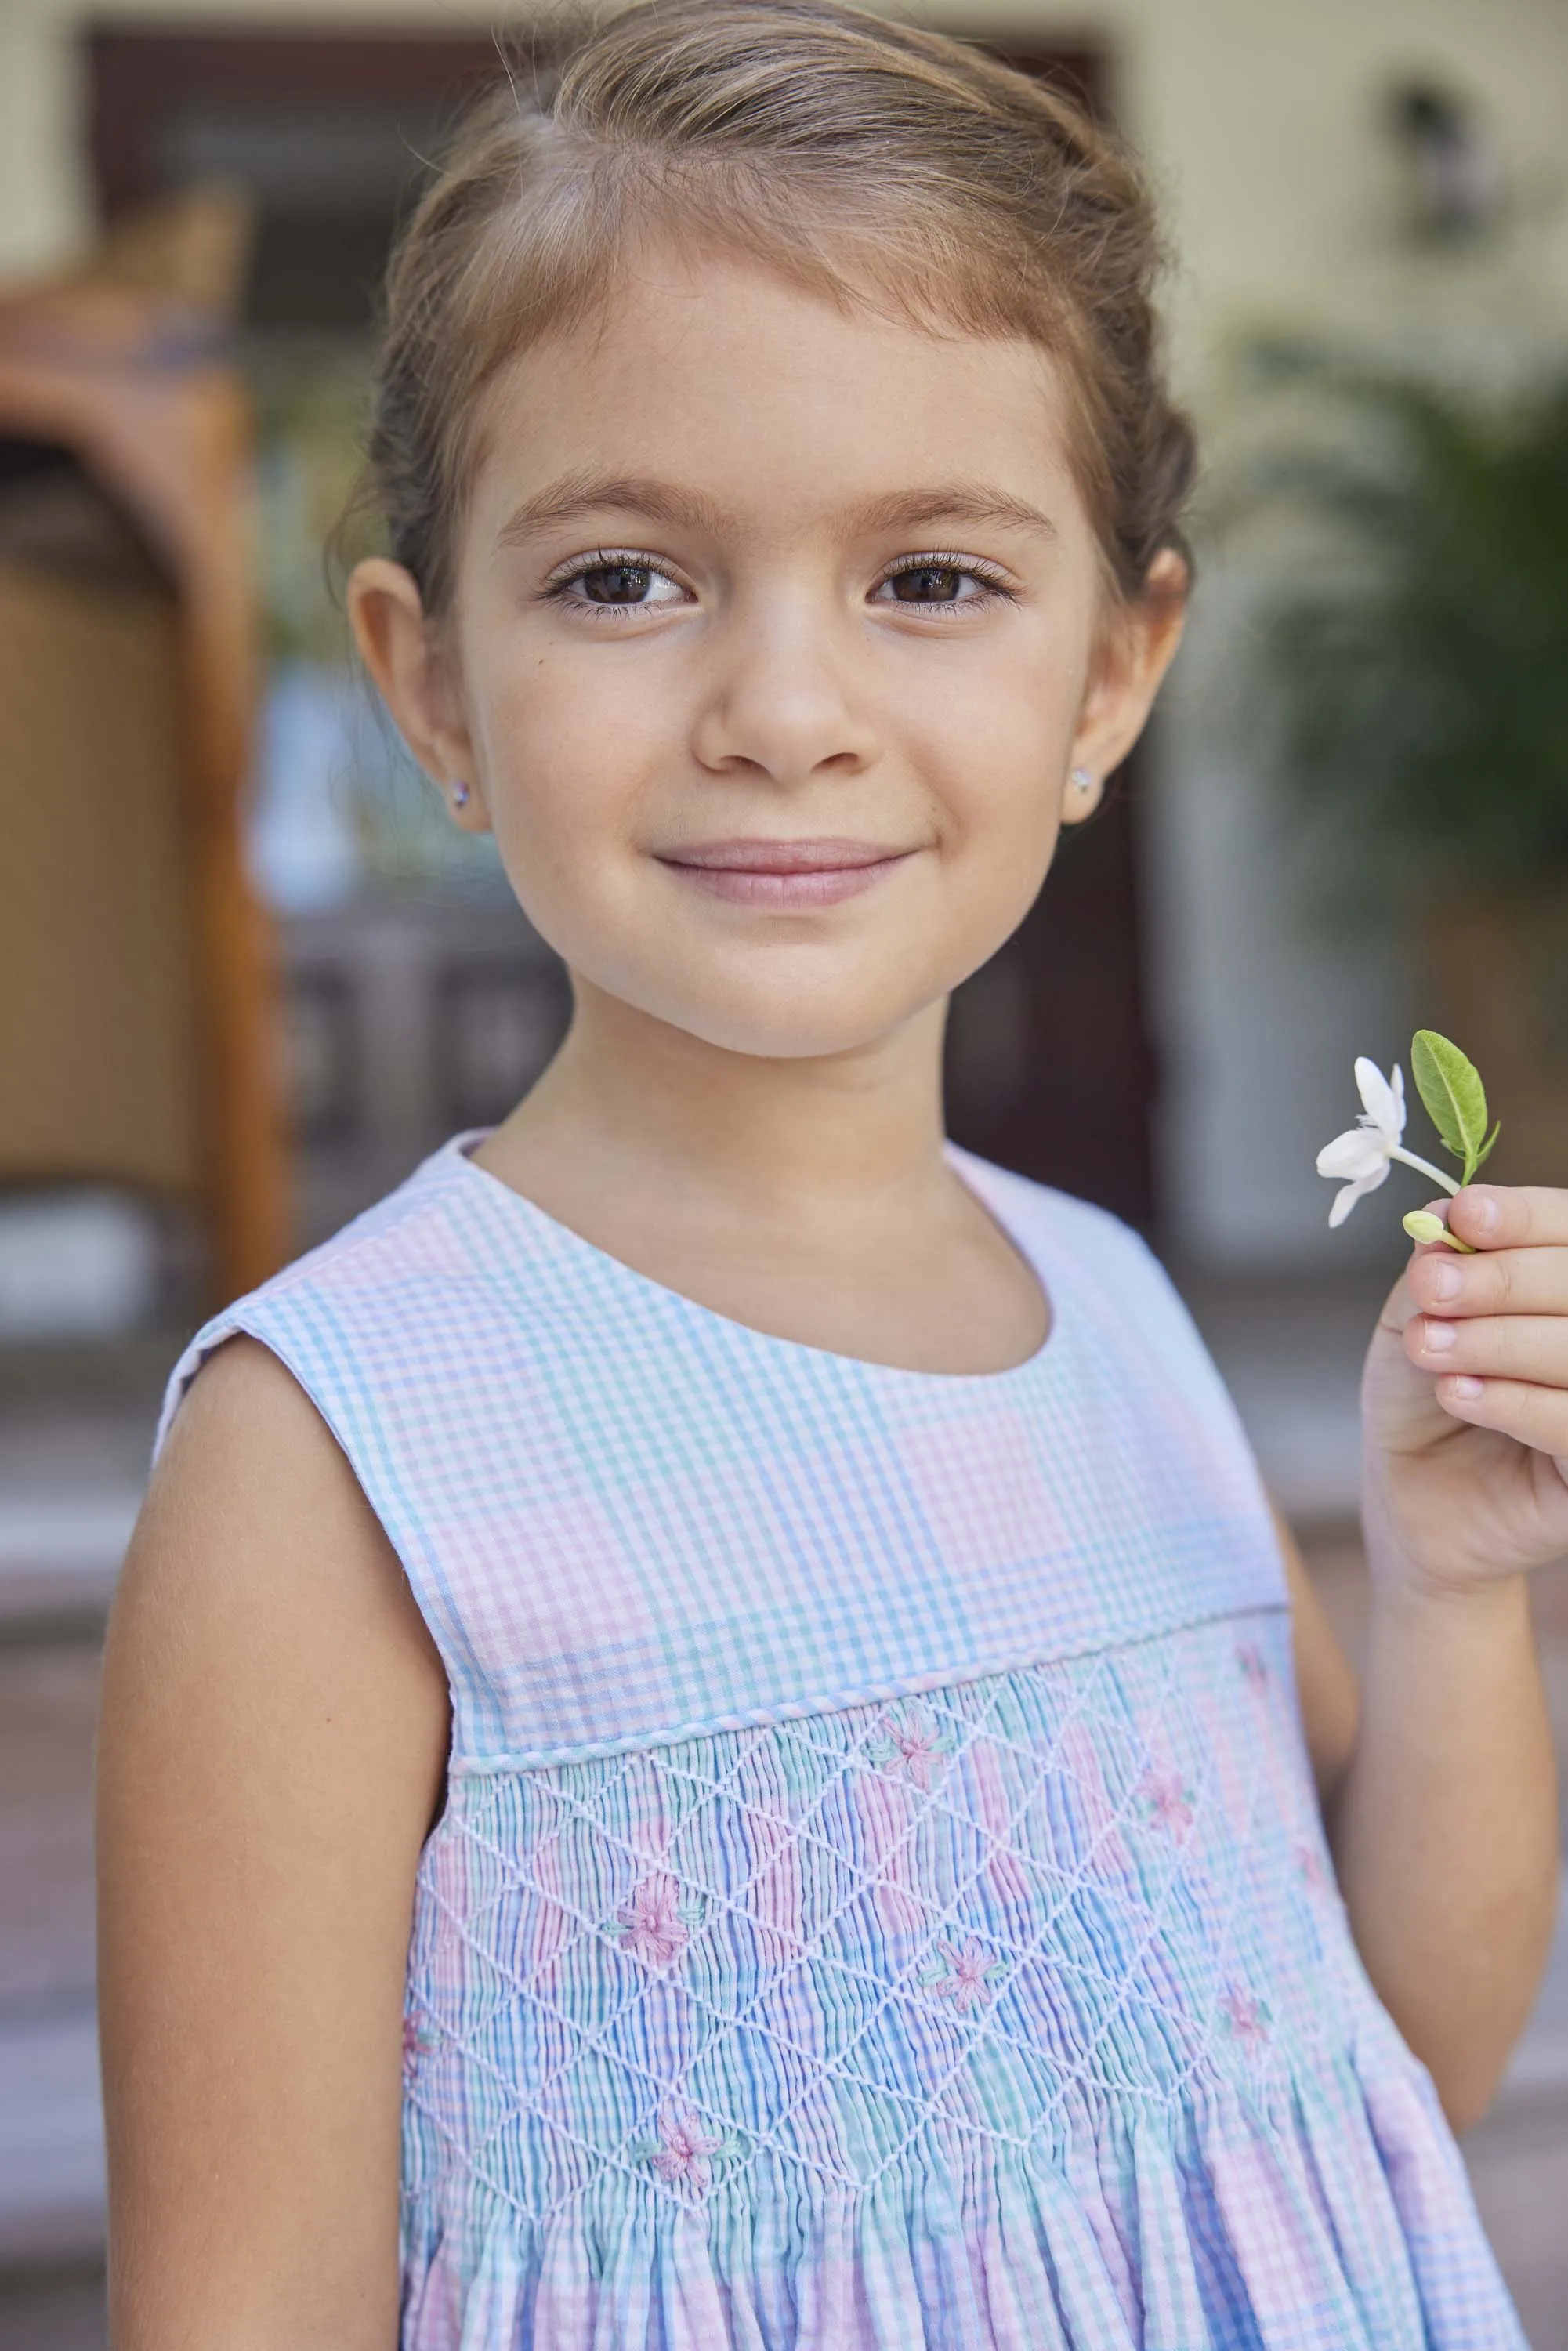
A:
x: 338, y: 1298
x: 256, y: 1530
x: 1138, y: 1360
x: 1131, y: 1300
x: 251, y: 1459
x: 254, y: 1480
x: 1096, y: 1242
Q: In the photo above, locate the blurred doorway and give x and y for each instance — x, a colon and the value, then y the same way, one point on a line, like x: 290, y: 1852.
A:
x: 1050, y: 1068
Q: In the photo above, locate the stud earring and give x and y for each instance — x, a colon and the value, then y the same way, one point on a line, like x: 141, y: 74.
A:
x: 1083, y: 782
x: 459, y: 795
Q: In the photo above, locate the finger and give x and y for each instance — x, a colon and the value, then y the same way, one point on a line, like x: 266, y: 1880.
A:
x: 1496, y: 1281
x: 1510, y: 1215
x: 1535, y: 1416
x: 1496, y: 1346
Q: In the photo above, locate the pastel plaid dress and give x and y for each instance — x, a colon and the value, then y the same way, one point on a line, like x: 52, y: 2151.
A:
x: 880, y: 1900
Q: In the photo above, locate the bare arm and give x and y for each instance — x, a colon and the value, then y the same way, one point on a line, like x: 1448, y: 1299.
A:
x: 271, y: 1757
x: 1444, y: 1830
x: 1325, y: 1679
x: 1443, y: 1811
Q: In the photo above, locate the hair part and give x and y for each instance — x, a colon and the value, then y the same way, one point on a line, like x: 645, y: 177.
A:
x: 876, y: 163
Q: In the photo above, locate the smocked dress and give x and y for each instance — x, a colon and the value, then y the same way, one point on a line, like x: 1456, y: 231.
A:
x: 880, y: 1900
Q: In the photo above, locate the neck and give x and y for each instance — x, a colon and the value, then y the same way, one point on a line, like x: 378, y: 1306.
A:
x: 630, y: 1099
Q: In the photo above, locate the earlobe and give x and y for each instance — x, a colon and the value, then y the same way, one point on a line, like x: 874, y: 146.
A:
x: 465, y: 806
x: 1084, y: 792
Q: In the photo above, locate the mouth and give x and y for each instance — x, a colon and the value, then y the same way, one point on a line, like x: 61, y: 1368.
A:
x: 786, y: 873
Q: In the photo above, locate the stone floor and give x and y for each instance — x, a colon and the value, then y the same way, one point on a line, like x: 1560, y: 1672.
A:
x: 71, y: 1449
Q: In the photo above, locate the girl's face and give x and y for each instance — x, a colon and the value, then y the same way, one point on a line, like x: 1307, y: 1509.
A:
x: 776, y: 633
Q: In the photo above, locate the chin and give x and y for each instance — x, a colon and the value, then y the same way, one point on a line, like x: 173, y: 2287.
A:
x: 781, y: 1023
x: 780, y: 1033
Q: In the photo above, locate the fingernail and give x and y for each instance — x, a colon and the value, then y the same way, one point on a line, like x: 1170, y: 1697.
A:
x: 1444, y: 1281
x: 1438, y: 1337
x: 1468, y: 1389
x: 1482, y: 1211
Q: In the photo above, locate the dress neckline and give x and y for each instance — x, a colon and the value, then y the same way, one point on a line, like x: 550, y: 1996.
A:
x: 975, y: 1173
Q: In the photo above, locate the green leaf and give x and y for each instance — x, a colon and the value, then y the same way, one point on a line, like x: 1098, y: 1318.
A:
x: 1485, y: 1152
x: 1449, y: 1084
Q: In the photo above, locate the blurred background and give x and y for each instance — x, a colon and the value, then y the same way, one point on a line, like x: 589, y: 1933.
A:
x: 248, y: 976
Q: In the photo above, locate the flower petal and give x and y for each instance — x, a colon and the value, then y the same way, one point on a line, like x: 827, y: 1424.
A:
x: 1384, y: 1101
x: 1344, y: 1202
x: 1359, y: 1155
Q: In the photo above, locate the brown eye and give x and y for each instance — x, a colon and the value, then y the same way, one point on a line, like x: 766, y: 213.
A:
x: 616, y: 584
x: 939, y: 583
x: 929, y: 583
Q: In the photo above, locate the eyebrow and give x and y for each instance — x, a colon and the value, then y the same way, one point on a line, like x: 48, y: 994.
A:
x: 577, y: 495
x: 953, y: 502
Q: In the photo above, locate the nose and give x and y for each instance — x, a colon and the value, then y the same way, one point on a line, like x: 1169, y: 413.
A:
x: 781, y: 699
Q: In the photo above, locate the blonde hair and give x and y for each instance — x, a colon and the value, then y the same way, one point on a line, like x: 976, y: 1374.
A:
x: 875, y: 162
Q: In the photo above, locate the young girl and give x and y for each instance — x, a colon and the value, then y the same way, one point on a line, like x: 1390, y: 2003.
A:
x: 716, y: 1667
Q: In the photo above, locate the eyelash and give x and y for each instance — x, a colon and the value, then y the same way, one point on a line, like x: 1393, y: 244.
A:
x: 604, y: 558
x: 988, y: 577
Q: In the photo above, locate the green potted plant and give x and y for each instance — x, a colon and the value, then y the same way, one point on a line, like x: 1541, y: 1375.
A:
x: 1416, y: 661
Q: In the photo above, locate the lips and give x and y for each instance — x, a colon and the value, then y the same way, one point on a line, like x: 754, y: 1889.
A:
x: 785, y: 873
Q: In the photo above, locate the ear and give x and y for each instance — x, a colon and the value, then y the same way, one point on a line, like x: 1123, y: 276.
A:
x: 1138, y: 643
x: 414, y: 675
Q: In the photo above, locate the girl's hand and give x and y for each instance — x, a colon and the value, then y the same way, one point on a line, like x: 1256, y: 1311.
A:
x: 1465, y: 1399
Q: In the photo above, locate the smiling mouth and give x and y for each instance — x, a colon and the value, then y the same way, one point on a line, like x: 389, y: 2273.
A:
x: 790, y: 873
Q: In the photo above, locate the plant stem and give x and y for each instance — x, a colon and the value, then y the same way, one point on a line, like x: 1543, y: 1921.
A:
x: 1424, y: 1167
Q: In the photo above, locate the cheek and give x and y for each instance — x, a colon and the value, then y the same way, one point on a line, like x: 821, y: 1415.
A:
x: 1004, y: 747
x: 560, y: 790
x: 1003, y: 773
x: 1009, y: 828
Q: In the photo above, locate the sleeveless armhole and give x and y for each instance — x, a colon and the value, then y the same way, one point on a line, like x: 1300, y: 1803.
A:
x: 249, y: 1319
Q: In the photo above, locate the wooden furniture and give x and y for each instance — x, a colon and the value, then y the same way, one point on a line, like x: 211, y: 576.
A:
x: 135, y: 1015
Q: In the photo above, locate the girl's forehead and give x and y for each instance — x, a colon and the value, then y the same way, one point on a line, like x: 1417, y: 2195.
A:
x: 712, y: 370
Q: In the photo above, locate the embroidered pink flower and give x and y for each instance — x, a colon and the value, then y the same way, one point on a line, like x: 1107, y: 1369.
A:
x: 962, y: 1977
x: 681, y: 2156
x: 1254, y: 1665
x: 415, y: 2046
x: 1246, y: 2017
x: 655, y: 1926
x: 1167, y: 1801
x: 910, y: 1745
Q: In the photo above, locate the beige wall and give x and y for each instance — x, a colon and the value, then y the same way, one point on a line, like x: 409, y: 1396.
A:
x: 1260, y: 118
x: 1257, y: 113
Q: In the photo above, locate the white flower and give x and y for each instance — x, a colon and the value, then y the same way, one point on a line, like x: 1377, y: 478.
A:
x: 1360, y: 1158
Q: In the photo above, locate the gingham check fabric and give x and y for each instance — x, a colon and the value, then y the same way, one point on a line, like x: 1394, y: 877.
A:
x: 881, y: 1899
